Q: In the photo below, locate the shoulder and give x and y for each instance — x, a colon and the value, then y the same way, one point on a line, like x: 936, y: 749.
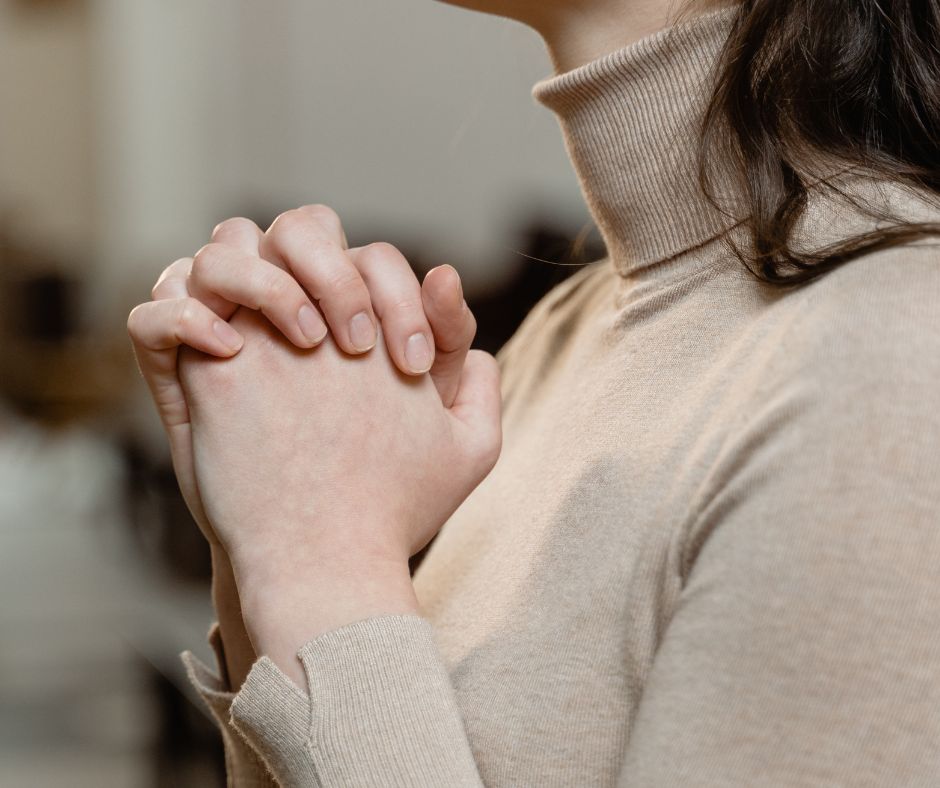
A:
x: 831, y: 467
x: 875, y: 321
x: 842, y: 424
x: 901, y: 282
x: 860, y: 344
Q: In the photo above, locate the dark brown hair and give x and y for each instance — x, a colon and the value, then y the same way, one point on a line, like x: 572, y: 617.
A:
x: 855, y: 79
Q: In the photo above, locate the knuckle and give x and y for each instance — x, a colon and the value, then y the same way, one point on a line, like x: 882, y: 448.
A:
x: 233, y: 225
x: 134, y: 318
x: 286, y: 226
x: 344, y: 279
x: 186, y: 313
x: 322, y: 214
x: 382, y: 252
x: 206, y: 258
x: 408, y: 303
x: 274, y: 288
x: 315, y: 226
x: 166, y: 273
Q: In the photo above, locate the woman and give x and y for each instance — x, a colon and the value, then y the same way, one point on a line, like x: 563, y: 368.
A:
x: 707, y: 552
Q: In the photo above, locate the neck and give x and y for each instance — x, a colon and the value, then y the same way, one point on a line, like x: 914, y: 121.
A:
x: 631, y: 121
x: 576, y: 34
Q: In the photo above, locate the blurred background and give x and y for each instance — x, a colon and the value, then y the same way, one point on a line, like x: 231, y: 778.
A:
x: 128, y: 129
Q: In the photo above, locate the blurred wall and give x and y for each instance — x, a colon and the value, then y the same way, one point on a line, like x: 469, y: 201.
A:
x: 412, y: 118
x: 128, y: 128
x: 46, y: 126
x: 131, y: 127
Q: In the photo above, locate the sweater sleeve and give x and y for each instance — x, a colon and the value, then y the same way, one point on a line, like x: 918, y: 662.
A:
x: 805, y: 645
x: 243, y: 766
x: 378, y: 710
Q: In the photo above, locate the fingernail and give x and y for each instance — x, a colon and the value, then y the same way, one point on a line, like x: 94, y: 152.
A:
x: 228, y: 335
x: 311, y: 325
x: 362, y: 332
x: 459, y: 287
x: 418, y: 353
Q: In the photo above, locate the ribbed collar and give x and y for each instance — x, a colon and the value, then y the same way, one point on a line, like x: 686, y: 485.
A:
x: 631, y: 122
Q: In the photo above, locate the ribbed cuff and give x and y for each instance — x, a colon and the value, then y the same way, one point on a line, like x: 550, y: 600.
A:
x: 381, y: 711
x: 274, y: 715
x: 243, y: 766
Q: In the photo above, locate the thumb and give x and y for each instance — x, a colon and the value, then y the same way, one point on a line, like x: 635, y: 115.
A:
x: 477, y: 408
x: 454, y: 327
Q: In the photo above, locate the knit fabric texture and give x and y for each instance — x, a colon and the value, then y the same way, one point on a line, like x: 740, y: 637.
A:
x: 709, y: 553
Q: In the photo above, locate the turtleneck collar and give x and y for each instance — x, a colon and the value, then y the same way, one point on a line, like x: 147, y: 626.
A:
x: 631, y: 122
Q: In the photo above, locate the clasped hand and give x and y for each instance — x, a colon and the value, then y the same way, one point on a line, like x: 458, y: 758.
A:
x: 305, y: 455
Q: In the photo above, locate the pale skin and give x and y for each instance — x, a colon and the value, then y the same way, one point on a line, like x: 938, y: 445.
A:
x: 576, y: 32
x: 196, y: 297
x: 316, y: 452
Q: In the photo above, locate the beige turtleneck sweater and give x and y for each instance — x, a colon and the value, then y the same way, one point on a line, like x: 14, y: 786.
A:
x: 709, y: 554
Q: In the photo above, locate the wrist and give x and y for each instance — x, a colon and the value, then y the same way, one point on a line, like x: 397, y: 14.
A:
x: 283, y: 564
x: 224, y: 590
x: 238, y: 652
x: 284, y: 609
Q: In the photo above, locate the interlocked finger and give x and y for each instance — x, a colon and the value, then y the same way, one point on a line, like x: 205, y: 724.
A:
x: 236, y: 277
x: 172, y: 282
x: 396, y: 296
x: 310, y: 243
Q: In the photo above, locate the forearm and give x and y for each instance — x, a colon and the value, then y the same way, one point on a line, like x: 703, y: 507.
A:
x: 239, y: 652
x: 378, y: 708
x: 284, y: 608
